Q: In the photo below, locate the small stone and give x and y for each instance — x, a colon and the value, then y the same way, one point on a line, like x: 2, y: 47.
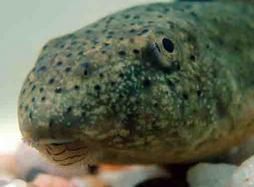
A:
x: 210, y: 175
x: 87, y: 181
x: 44, y: 180
x: 17, y: 183
x: 130, y: 175
x: 244, y: 175
x: 7, y: 165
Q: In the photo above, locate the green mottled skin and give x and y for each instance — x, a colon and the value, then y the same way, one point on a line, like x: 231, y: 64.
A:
x: 110, y: 88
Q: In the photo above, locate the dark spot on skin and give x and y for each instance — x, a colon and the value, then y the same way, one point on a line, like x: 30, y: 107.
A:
x: 33, y: 99
x: 168, y: 45
x: 51, y: 81
x: 193, y: 14
x: 121, y: 38
x: 237, y: 48
x: 26, y: 108
x: 221, y: 41
x: 101, y: 75
x: 147, y: 83
x: 58, y: 90
x: 149, y: 9
x: 80, y: 53
x: 73, y: 42
x: 192, y: 58
x: 136, y: 17
x: 41, y: 90
x: 199, y: 93
x: 122, y: 53
x: 88, y: 31
x: 171, y: 85
x: 43, y: 98
x: 59, y: 63
x: 97, y: 87
x: 67, y: 69
x: 144, y: 31
x: 121, y: 75
x: 87, y: 68
x: 33, y: 88
x: 132, y: 30
x: 69, y: 55
x: 136, y: 51
x: 76, y: 87
x: 112, y: 83
x: 95, y: 42
x: 127, y: 16
x: 42, y: 69
x: 185, y: 96
x: 160, y: 16
x: 69, y: 109
x: 62, y: 46
x: 132, y: 40
x: 85, y: 72
x: 166, y: 10
x: 109, y: 36
x: 30, y: 114
x: 109, y: 20
x: 24, y: 91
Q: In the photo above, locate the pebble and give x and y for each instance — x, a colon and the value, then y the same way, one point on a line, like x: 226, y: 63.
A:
x: 87, y: 181
x: 17, y: 183
x: 131, y: 175
x: 44, y: 180
x: 210, y: 175
x: 244, y: 175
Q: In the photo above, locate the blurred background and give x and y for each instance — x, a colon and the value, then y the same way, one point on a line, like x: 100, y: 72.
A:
x: 24, y: 27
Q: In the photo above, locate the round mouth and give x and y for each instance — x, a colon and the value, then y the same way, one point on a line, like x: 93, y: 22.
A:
x: 63, y: 152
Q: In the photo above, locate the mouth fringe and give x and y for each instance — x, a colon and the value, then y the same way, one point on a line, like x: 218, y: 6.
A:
x: 49, y: 141
x: 66, y: 153
x: 63, y: 152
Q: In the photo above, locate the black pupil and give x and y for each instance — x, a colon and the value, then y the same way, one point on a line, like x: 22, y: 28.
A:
x: 168, y: 45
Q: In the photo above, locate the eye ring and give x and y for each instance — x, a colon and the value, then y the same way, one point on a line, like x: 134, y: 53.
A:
x: 168, y: 45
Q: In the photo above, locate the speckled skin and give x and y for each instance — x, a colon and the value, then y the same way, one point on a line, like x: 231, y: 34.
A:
x: 157, y: 83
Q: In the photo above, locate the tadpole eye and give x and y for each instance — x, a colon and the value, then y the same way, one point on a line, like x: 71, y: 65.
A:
x: 168, y: 45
